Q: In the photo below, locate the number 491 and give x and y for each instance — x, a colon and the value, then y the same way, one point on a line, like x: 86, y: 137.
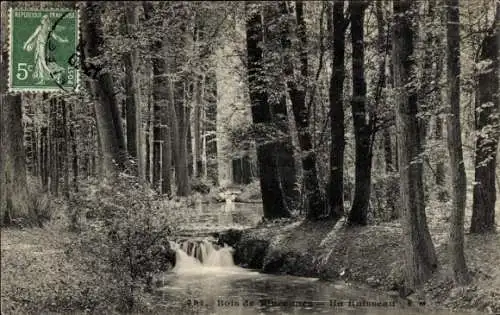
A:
x: 22, y: 71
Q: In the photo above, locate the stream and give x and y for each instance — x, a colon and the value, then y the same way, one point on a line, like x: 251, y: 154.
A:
x: 206, y: 281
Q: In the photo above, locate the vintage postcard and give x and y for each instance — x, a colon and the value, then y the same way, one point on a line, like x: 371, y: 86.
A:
x: 250, y: 157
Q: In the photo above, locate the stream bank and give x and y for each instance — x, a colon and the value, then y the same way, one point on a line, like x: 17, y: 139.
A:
x: 368, y: 256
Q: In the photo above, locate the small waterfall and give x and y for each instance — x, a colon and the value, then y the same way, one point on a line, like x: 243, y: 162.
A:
x: 199, y: 255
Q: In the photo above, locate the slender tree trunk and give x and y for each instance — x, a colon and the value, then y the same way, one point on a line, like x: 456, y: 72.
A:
x: 314, y: 200
x: 336, y: 95
x: 272, y: 195
x: 196, y: 122
x: 112, y: 141
x: 436, y: 44
x: 487, y: 117
x: 363, y: 120
x: 226, y: 99
x: 161, y: 177
x: 198, y: 86
x: 159, y: 82
x: 13, y: 191
x: 74, y: 147
x: 389, y: 163
x: 148, y: 139
x: 420, y: 257
x: 438, y: 135
x: 166, y: 155
x: 54, y: 146
x: 278, y: 105
x: 384, y: 80
x: 179, y: 137
x: 175, y: 137
x: 182, y: 170
x: 132, y: 95
x: 65, y: 147
x: 34, y: 151
x: 44, y: 157
x: 459, y: 182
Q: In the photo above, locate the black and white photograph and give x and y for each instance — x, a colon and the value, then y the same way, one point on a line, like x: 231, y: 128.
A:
x: 250, y: 157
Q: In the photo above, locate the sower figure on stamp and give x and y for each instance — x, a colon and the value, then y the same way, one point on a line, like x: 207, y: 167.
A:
x: 44, y: 71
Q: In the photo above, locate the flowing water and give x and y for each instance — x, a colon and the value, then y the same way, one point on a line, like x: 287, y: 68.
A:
x: 206, y: 281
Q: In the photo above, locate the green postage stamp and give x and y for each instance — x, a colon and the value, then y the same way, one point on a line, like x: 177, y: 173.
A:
x: 42, y: 44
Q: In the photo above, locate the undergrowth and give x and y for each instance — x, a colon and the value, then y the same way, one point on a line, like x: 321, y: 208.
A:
x: 123, y: 236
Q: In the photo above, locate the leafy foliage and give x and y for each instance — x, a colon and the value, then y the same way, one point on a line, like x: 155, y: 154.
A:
x: 126, y: 238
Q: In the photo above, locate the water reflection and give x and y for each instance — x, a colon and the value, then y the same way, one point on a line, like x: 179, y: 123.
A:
x: 212, y: 217
x: 234, y: 290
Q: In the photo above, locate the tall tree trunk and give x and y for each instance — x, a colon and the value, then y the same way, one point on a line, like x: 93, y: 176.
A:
x: 487, y: 111
x: 242, y: 170
x: 147, y: 139
x: 196, y: 127
x: 362, y: 117
x: 74, y: 147
x: 65, y: 148
x: 226, y: 102
x: 54, y: 145
x: 34, y: 151
x: 384, y: 80
x: 278, y: 105
x: 210, y: 142
x: 440, y: 174
x: 436, y: 44
x: 44, y: 168
x: 314, y: 200
x: 112, y: 140
x: 13, y: 191
x: 272, y: 195
x: 459, y: 182
x: 161, y: 140
x: 420, y: 257
x: 181, y: 156
x: 389, y: 163
x: 336, y: 95
x: 198, y: 95
x: 166, y: 154
x: 179, y: 96
x: 132, y: 94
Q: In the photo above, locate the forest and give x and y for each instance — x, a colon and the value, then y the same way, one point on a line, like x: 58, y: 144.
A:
x: 263, y: 143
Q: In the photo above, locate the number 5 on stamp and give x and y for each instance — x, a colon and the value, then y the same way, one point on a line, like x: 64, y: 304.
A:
x: 41, y: 42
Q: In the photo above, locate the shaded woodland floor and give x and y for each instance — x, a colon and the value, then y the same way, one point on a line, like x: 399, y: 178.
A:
x: 41, y: 272
x: 372, y: 256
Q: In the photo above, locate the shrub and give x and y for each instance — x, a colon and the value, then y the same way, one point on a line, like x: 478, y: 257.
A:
x: 123, y: 238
